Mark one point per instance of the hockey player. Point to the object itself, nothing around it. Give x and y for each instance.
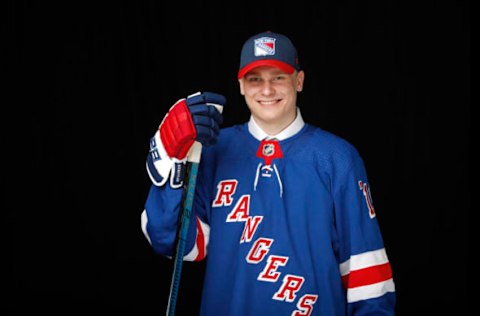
(282, 212)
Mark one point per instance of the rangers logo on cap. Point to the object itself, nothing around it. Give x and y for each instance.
(268, 49)
(264, 46)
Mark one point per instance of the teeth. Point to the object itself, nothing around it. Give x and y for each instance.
(267, 102)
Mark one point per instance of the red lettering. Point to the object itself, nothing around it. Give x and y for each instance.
(241, 210)
(250, 227)
(225, 190)
(291, 284)
(259, 250)
(270, 273)
(305, 305)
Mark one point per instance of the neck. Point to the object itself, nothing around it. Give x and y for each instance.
(279, 131)
(273, 128)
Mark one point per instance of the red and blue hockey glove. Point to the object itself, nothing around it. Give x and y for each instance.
(195, 118)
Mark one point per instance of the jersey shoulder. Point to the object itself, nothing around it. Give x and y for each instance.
(327, 143)
(327, 149)
(231, 140)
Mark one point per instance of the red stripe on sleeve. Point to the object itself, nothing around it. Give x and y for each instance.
(366, 276)
(200, 242)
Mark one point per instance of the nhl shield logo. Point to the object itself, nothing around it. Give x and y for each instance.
(268, 150)
(265, 46)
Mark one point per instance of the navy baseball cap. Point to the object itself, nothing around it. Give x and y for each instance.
(268, 49)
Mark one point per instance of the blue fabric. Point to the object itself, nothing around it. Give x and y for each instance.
(310, 211)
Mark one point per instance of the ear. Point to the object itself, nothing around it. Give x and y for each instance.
(299, 80)
(242, 90)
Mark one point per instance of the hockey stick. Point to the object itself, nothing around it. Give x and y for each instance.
(191, 176)
(193, 161)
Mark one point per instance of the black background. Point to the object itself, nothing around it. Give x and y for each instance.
(87, 84)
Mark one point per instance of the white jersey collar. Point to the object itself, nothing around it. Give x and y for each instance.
(291, 129)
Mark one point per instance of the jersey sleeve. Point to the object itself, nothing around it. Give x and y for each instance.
(201, 210)
(364, 266)
(161, 217)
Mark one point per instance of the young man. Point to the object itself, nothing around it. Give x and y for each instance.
(282, 210)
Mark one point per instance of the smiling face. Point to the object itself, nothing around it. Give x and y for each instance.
(271, 96)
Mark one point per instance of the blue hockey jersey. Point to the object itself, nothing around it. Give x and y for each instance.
(287, 226)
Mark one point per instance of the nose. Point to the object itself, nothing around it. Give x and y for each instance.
(267, 88)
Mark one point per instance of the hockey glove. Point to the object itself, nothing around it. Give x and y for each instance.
(195, 118)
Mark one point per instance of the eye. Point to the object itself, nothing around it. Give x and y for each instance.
(253, 79)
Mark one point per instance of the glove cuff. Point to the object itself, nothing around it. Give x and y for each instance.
(160, 166)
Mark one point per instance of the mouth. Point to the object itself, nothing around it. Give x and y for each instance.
(269, 102)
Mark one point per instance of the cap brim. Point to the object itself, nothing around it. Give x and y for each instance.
(266, 62)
